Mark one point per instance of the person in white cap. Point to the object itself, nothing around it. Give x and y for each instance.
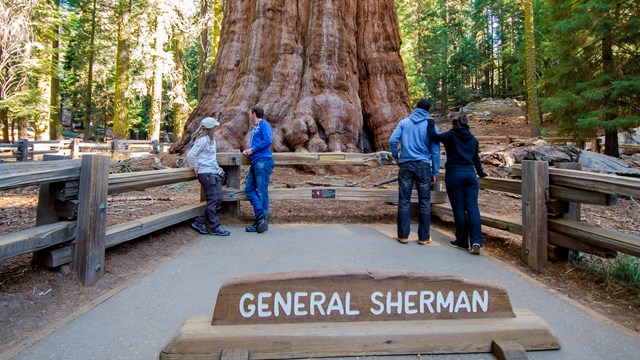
(202, 158)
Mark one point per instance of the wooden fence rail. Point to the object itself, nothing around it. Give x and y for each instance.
(63, 177)
(25, 150)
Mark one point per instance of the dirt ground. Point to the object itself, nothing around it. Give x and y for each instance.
(34, 300)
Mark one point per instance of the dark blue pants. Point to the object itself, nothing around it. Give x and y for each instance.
(462, 190)
(418, 172)
(212, 186)
(257, 186)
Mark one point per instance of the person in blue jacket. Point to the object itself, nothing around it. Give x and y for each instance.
(419, 162)
(461, 181)
(257, 186)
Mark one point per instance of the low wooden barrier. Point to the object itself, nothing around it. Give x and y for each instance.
(26, 150)
(555, 204)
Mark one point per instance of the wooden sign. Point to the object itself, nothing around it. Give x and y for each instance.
(359, 313)
(356, 296)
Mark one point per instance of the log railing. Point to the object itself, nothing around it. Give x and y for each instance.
(61, 182)
(25, 150)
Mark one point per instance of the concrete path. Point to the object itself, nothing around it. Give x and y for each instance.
(139, 321)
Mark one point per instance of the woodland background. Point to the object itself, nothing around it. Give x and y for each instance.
(135, 68)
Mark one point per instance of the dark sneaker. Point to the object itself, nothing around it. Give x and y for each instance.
(475, 249)
(262, 226)
(425, 242)
(402, 240)
(251, 228)
(459, 246)
(220, 231)
(265, 215)
(199, 228)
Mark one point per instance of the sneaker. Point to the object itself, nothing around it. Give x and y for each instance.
(251, 228)
(199, 228)
(265, 215)
(220, 231)
(425, 242)
(475, 249)
(457, 245)
(263, 225)
(402, 240)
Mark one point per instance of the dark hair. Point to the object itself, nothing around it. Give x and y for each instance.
(424, 104)
(460, 121)
(258, 111)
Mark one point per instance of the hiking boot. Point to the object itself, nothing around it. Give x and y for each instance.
(459, 246)
(219, 231)
(475, 249)
(262, 226)
(402, 240)
(251, 228)
(265, 215)
(425, 242)
(201, 228)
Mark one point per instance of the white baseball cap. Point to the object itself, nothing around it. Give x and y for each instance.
(209, 122)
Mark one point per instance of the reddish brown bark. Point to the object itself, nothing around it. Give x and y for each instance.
(328, 74)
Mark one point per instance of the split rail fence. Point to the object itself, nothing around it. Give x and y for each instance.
(73, 196)
(25, 150)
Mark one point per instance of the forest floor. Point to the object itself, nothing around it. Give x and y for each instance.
(34, 300)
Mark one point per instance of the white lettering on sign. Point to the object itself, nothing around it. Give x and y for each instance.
(317, 303)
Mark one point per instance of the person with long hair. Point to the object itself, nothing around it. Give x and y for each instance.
(202, 158)
(460, 179)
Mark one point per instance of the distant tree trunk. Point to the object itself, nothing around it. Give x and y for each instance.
(204, 46)
(120, 103)
(328, 74)
(530, 59)
(55, 111)
(41, 122)
(179, 102)
(87, 99)
(155, 119)
(4, 120)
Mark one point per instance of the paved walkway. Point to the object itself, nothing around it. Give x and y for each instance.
(139, 321)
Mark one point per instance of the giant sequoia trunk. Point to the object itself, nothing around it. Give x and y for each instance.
(328, 74)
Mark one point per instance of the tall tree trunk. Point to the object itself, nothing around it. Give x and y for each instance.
(55, 111)
(87, 99)
(179, 103)
(530, 59)
(155, 119)
(120, 103)
(611, 132)
(4, 120)
(41, 122)
(204, 46)
(328, 74)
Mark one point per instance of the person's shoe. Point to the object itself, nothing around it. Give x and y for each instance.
(220, 231)
(262, 226)
(265, 215)
(402, 240)
(475, 249)
(457, 245)
(201, 228)
(425, 242)
(251, 228)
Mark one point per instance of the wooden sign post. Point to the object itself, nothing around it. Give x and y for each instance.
(358, 313)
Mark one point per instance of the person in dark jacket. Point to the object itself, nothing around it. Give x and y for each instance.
(461, 181)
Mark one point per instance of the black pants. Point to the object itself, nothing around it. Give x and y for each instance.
(212, 185)
(462, 190)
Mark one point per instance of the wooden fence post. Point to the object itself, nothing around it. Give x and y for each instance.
(89, 251)
(535, 193)
(75, 148)
(46, 211)
(570, 210)
(23, 149)
(232, 174)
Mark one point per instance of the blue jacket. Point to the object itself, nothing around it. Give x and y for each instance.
(261, 139)
(416, 145)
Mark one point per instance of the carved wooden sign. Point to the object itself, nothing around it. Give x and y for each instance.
(358, 295)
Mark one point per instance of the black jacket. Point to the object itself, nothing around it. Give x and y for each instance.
(461, 146)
